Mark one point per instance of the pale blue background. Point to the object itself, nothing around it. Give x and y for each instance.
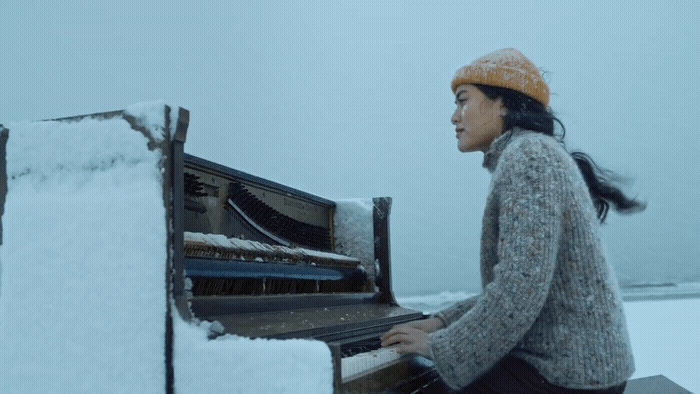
(352, 99)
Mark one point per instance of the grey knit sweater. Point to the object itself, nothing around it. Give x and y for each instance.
(549, 296)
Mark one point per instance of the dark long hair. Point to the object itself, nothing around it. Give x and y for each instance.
(529, 114)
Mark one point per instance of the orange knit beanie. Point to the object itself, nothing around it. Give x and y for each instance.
(506, 68)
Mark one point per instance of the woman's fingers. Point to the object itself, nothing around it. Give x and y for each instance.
(394, 330)
(428, 325)
(392, 337)
(407, 340)
(401, 335)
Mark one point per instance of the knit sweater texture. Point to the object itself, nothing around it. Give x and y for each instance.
(548, 295)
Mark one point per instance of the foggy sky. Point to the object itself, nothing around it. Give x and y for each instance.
(350, 99)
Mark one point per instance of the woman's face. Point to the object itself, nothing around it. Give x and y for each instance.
(478, 119)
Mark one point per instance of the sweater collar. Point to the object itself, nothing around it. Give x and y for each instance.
(498, 146)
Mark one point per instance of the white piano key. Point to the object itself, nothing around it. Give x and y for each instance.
(364, 363)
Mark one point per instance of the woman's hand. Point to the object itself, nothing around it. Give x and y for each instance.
(407, 340)
(428, 325)
(412, 337)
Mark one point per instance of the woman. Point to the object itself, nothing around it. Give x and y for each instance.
(550, 316)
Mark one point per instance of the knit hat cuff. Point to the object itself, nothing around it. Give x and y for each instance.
(506, 68)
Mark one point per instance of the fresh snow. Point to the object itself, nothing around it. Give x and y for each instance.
(664, 333)
(666, 339)
(353, 223)
(82, 275)
(82, 299)
(232, 364)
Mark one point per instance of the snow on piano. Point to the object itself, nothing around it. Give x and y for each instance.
(264, 260)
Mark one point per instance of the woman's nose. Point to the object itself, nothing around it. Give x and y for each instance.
(454, 118)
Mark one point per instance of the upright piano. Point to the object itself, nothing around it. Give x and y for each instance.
(264, 260)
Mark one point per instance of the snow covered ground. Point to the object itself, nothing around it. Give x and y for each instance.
(666, 339)
(665, 334)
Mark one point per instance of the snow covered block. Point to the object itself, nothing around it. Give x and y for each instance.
(354, 231)
(83, 255)
(233, 364)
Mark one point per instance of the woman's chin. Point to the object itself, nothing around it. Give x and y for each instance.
(464, 148)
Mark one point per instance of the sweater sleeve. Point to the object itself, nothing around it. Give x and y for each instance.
(453, 313)
(530, 194)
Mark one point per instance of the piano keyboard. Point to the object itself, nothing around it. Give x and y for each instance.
(362, 364)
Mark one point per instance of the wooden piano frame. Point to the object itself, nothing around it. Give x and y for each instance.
(380, 302)
(377, 305)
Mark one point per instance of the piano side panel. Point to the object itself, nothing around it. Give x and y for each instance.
(382, 248)
(82, 274)
(4, 133)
